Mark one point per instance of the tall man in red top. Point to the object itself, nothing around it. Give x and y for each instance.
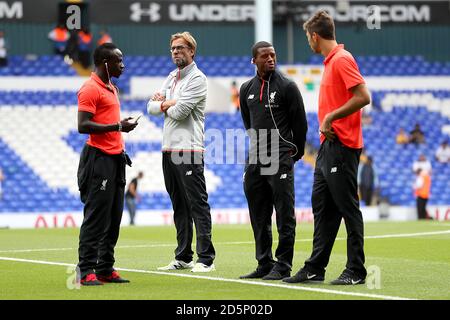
(101, 172)
(343, 94)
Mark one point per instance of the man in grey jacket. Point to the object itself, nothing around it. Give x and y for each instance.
(182, 100)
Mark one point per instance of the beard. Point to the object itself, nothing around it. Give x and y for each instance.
(180, 62)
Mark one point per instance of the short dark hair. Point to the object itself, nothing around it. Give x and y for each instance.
(258, 45)
(322, 24)
(103, 52)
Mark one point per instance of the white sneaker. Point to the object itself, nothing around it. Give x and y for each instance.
(177, 265)
(200, 267)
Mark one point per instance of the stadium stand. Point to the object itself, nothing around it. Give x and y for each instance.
(45, 65)
(37, 180)
(48, 65)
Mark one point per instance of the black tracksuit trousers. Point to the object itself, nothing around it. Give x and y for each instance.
(335, 196)
(421, 204)
(101, 179)
(263, 193)
(185, 183)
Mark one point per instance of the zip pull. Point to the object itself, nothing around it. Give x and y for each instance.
(262, 90)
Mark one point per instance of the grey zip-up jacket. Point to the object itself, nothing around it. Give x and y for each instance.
(184, 123)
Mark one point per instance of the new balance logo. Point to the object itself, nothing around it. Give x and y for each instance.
(333, 170)
(103, 187)
(251, 96)
(283, 176)
(188, 173)
(152, 12)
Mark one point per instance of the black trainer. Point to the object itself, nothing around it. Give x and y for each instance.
(305, 276)
(348, 278)
(260, 272)
(277, 275)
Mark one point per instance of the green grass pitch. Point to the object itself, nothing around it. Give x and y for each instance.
(411, 260)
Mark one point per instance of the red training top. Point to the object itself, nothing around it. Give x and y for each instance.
(96, 98)
(341, 73)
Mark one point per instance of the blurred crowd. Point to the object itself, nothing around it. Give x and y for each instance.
(76, 45)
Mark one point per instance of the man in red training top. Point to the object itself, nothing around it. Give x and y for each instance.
(343, 94)
(101, 172)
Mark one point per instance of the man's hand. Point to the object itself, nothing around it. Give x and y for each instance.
(128, 126)
(326, 128)
(167, 104)
(361, 97)
(158, 97)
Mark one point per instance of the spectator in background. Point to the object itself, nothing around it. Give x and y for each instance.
(235, 96)
(104, 38)
(422, 187)
(3, 50)
(132, 196)
(59, 36)
(443, 153)
(417, 136)
(363, 156)
(71, 53)
(367, 180)
(84, 47)
(422, 163)
(2, 177)
(402, 137)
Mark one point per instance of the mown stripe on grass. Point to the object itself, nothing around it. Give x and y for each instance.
(161, 245)
(246, 282)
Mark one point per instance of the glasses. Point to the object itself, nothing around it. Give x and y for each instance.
(178, 48)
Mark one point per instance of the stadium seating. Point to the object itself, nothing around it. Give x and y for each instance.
(241, 66)
(28, 189)
(217, 66)
(395, 65)
(46, 65)
(220, 66)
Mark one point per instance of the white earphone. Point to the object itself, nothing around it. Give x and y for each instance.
(107, 72)
(275, 123)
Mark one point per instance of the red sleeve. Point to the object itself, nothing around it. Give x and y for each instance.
(349, 72)
(87, 99)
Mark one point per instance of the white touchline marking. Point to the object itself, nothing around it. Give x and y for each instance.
(38, 262)
(405, 235)
(386, 236)
(35, 250)
(256, 283)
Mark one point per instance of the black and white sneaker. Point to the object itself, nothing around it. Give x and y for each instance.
(348, 278)
(177, 265)
(304, 276)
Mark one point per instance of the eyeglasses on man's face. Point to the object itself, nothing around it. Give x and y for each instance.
(178, 48)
